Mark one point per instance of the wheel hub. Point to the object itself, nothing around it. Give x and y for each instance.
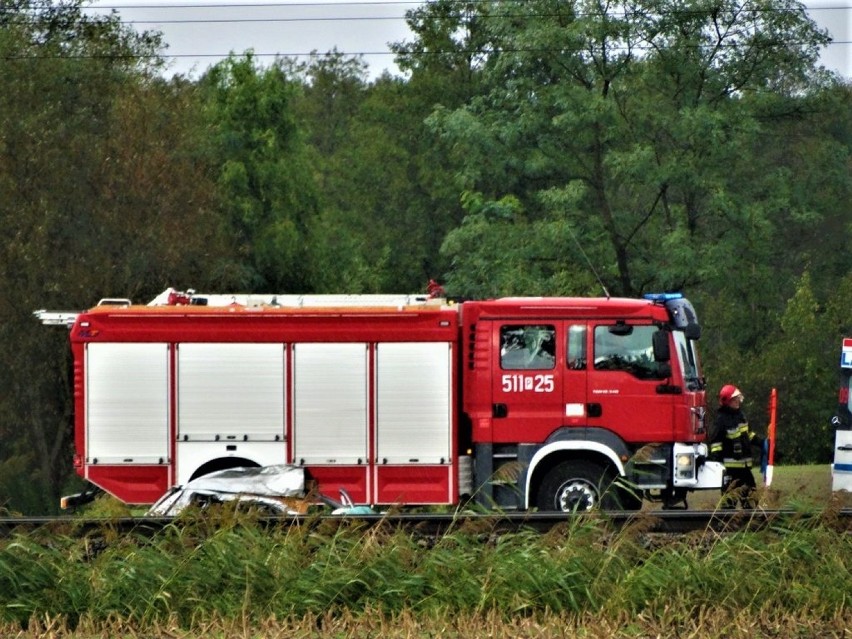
(576, 496)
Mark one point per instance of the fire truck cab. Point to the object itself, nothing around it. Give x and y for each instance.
(567, 395)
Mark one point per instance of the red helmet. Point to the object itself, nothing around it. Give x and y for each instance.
(729, 392)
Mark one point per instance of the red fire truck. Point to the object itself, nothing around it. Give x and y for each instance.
(548, 403)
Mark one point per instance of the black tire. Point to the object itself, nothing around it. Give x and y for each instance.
(578, 486)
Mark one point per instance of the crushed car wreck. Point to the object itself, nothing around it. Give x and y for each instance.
(275, 490)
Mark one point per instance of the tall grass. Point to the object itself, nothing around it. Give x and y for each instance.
(234, 571)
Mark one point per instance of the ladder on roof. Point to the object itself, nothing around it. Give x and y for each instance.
(67, 318)
(171, 297)
(56, 318)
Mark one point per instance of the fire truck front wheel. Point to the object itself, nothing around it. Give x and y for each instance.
(577, 486)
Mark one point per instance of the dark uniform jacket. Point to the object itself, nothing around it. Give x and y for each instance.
(732, 440)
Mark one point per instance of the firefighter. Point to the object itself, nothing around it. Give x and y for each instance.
(734, 444)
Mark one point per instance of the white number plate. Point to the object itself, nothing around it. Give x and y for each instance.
(528, 383)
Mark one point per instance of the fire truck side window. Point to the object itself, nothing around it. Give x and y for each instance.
(627, 348)
(527, 347)
(576, 347)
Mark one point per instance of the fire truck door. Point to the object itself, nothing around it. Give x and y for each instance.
(577, 410)
(527, 380)
(627, 388)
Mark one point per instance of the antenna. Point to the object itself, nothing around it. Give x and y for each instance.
(589, 262)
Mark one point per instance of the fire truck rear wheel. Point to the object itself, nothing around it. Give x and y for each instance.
(577, 486)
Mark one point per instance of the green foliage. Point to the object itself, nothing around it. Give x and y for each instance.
(346, 236)
(195, 572)
(805, 345)
(630, 107)
(264, 178)
(385, 198)
(101, 194)
(504, 254)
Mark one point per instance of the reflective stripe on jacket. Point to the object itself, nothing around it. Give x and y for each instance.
(740, 430)
(737, 463)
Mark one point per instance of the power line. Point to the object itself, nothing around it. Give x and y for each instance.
(383, 53)
(311, 5)
(239, 5)
(352, 18)
(100, 8)
(243, 5)
(264, 20)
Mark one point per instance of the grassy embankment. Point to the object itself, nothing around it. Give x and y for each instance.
(792, 487)
(230, 578)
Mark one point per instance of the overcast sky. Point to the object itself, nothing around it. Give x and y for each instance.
(202, 32)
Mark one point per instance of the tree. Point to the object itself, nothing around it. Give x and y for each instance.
(800, 359)
(628, 125)
(102, 194)
(263, 177)
(334, 88)
(386, 194)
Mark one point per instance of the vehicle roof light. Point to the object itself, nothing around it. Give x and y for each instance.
(662, 297)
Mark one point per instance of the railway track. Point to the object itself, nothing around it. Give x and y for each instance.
(434, 525)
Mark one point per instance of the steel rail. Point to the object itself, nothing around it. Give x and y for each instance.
(434, 525)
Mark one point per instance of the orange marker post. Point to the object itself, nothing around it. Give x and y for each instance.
(770, 436)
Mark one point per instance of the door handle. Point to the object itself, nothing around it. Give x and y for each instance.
(499, 411)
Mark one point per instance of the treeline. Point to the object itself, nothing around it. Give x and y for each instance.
(533, 147)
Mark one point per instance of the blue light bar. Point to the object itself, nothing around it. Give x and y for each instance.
(662, 297)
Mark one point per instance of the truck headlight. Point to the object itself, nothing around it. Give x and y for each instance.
(685, 465)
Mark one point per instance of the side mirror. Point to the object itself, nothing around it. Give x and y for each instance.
(692, 331)
(661, 346)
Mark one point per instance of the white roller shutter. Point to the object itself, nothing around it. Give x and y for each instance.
(413, 413)
(330, 403)
(230, 392)
(127, 403)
